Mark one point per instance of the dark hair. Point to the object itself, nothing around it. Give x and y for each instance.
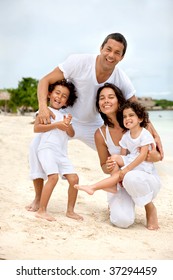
(117, 37)
(118, 94)
(139, 110)
(72, 96)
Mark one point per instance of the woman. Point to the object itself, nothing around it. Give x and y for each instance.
(138, 187)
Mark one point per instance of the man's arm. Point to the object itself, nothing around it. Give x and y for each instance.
(42, 92)
(157, 139)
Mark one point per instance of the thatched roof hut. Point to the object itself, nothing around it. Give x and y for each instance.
(5, 96)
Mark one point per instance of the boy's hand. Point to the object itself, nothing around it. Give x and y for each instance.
(67, 119)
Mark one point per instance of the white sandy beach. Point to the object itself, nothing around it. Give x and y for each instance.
(24, 237)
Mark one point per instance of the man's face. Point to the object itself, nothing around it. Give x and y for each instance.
(111, 54)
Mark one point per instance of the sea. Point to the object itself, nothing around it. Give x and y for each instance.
(163, 123)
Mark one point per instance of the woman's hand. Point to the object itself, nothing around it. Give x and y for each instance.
(110, 164)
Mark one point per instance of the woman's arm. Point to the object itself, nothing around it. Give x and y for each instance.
(102, 151)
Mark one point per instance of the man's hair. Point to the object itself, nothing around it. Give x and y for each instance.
(72, 96)
(117, 37)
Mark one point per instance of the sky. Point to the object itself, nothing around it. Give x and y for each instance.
(36, 35)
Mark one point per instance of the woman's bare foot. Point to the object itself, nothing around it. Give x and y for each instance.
(73, 215)
(44, 215)
(151, 215)
(84, 188)
(34, 206)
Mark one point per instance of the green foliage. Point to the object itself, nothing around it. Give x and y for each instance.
(25, 95)
(164, 103)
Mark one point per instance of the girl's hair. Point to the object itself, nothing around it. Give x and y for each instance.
(118, 94)
(72, 96)
(139, 110)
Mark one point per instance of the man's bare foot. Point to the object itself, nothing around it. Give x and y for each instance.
(151, 215)
(34, 206)
(74, 216)
(84, 188)
(45, 215)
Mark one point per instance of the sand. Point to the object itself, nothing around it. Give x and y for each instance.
(24, 237)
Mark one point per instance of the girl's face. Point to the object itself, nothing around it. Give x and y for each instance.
(108, 102)
(130, 119)
(59, 96)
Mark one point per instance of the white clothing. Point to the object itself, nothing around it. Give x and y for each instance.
(139, 188)
(132, 145)
(36, 170)
(52, 152)
(80, 70)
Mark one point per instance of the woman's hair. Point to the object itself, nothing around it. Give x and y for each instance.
(72, 96)
(139, 110)
(118, 94)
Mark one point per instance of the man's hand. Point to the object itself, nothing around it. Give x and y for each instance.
(44, 115)
(159, 146)
(153, 155)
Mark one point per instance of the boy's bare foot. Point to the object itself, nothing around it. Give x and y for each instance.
(84, 188)
(74, 216)
(151, 215)
(45, 215)
(34, 206)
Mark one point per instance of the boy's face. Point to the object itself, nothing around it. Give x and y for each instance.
(59, 96)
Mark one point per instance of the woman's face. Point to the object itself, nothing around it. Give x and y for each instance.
(108, 102)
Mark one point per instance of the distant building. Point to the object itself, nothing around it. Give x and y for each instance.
(148, 103)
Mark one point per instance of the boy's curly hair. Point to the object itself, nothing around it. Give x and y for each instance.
(139, 110)
(72, 96)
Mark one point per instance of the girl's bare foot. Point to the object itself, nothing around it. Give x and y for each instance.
(34, 206)
(84, 188)
(74, 216)
(151, 215)
(44, 215)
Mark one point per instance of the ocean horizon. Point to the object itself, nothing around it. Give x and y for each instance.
(163, 123)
